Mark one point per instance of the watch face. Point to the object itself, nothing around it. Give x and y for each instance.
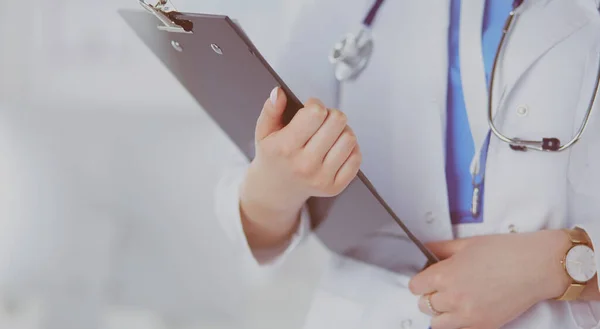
(580, 263)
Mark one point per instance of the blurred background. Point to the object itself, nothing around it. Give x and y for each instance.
(107, 171)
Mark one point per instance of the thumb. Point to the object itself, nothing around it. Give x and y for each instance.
(271, 116)
(445, 249)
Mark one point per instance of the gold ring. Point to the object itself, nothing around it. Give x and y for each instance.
(431, 308)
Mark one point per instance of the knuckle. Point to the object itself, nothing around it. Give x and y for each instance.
(283, 150)
(303, 112)
(413, 287)
(315, 111)
(306, 167)
(319, 112)
(314, 100)
(321, 185)
(439, 280)
(358, 158)
(338, 186)
(349, 136)
(352, 140)
(339, 116)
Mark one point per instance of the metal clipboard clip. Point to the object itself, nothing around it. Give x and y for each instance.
(167, 14)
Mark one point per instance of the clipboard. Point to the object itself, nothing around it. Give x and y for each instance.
(212, 57)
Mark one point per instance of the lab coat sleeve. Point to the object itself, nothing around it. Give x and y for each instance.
(258, 265)
(584, 200)
(584, 212)
(584, 194)
(303, 65)
(584, 166)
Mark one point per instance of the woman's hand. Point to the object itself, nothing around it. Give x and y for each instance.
(487, 281)
(316, 154)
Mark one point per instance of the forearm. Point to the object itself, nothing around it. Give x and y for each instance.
(266, 228)
(268, 223)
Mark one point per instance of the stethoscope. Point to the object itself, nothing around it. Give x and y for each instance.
(351, 55)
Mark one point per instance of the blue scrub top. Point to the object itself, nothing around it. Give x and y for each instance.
(459, 141)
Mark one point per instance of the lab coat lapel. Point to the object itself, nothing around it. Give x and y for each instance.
(472, 67)
(539, 27)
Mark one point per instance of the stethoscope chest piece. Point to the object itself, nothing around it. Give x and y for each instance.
(351, 55)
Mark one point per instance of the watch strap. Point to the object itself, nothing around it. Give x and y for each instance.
(578, 236)
(572, 293)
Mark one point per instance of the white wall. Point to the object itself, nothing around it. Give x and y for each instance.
(105, 207)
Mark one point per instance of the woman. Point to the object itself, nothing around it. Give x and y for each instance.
(419, 114)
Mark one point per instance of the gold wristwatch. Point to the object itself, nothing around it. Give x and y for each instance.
(579, 263)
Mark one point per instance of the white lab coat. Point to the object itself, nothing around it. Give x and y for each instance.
(398, 110)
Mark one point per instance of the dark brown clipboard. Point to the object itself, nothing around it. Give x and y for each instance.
(213, 59)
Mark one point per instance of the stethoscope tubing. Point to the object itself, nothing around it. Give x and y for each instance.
(522, 145)
(356, 64)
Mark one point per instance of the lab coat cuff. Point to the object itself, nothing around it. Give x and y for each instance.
(258, 265)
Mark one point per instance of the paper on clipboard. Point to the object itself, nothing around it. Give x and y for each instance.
(213, 59)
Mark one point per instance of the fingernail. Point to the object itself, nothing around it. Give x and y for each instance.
(274, 94)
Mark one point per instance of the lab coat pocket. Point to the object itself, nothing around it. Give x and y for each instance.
(353, 294)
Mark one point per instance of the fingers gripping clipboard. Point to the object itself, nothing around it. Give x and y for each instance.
(217, 63)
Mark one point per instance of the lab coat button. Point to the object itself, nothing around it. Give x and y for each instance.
(512, 228)
(429, 218)
(406, 324)
(522, 110)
